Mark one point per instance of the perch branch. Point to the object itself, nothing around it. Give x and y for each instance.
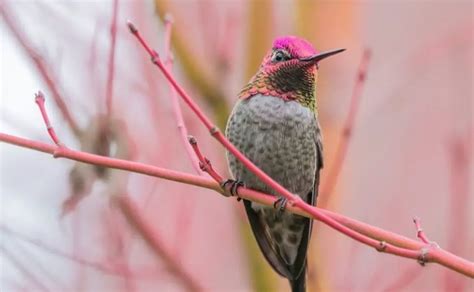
(133, 216)
(422, 255)
(437, 255)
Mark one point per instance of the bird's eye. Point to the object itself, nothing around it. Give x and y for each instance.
(279, 56)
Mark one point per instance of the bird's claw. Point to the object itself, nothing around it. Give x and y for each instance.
(234, 186)
(280, 205)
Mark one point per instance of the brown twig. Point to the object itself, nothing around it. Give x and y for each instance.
(331, 179)
(42, 68)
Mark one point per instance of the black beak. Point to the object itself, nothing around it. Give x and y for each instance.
(318, 57)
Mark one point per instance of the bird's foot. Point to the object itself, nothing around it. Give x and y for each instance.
(234, 187)
(280, 205)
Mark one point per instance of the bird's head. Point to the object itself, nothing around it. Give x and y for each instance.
(288, 71)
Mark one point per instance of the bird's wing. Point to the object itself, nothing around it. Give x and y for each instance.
(264, 238)
(265, 242)
(298, 266)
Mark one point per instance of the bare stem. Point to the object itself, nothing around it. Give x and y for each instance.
(131, 213)
(111, 69)
(419, 231)
(183, 131)
(204, 163)
(42, 68)
(39, 99)
(438, 255)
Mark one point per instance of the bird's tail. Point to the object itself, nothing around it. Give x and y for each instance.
(299, 284)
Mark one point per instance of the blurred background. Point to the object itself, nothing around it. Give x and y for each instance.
(409, 153)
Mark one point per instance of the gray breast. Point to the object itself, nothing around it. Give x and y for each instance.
(279, 137)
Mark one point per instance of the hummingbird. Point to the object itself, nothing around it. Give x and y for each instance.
(275, 124)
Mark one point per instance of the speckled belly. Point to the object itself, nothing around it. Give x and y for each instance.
(279, 137)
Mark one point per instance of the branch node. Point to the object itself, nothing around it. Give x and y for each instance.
(155, 58)
(39, 97)
(192, 140)
(382, 246)
(422, 260)
(59, 151)
(214, 130)
(133, 29)
(204, 163)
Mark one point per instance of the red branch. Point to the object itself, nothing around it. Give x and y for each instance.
(204, 163)
(183, 131)
(42, 68)
(132, 214)
(340, 156)
(293, 199)
(422, 255)
(430, 254)
(111, 69)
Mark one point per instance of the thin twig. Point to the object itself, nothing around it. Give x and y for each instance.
(39, 99)
(111, 68)
(293, 199)
(438, 255)
(204, 163)
(133, 216)
(183, 131)
(43, 70)
(331, 179)
(198, 71)
(419, 231)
